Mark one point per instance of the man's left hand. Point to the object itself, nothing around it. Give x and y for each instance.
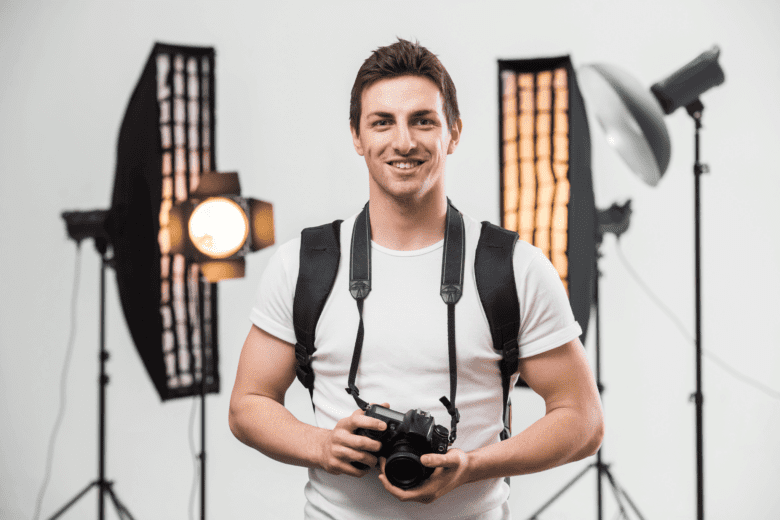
(451, 471)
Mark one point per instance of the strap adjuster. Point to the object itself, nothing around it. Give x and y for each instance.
(303, 368)
(302, 355)
(511, 349)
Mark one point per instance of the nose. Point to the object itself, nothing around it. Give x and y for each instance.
(403, 139)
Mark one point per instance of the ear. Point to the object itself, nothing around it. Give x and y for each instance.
(356, 140)
(455, 132)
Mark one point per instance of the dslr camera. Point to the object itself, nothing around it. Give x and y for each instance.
(407, 437)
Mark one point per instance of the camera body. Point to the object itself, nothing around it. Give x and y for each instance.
(407, 437)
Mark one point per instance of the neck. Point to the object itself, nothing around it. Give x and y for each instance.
(407, 226)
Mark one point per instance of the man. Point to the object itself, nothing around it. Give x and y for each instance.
(404, 121)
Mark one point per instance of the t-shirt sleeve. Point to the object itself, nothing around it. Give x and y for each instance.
(272, 310)
(546, 318)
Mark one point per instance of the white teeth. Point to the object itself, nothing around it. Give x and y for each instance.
(405, 165)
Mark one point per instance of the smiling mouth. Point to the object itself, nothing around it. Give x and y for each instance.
(405, 165)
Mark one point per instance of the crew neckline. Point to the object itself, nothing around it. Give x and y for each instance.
(415, 252)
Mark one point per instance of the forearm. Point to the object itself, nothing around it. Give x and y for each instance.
(563, 435)
(267, 426)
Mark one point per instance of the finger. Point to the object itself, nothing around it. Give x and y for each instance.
(365, 465)
(347, 460)
(395, 491)
(365, 444)
(364, 457)
(359, 418)
(348, 469)
(367, 423)
(432, 460)
(453, 459)
(424, 493)
(372, 461)
(347, 454)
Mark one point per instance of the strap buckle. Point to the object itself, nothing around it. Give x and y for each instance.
(302, 355)
(354, 392)
(303, 369)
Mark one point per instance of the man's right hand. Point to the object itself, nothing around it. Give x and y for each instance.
(342, 446)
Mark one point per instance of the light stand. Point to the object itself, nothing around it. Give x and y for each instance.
(695, 110)
(202, 455)
(614, 220)
(633, 122)
(103, 486)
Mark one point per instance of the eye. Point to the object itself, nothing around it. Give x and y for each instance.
(380, 122)
(425, 122)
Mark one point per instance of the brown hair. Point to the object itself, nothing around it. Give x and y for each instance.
(403, 58)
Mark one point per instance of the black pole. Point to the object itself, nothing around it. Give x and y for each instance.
(102, 382)
(695, 109)
(84, 227)
(203, 438)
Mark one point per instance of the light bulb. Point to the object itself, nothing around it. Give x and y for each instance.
(218, 227)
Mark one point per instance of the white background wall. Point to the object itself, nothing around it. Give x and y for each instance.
(284, 71)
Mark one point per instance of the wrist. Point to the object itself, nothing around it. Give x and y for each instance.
(317, 456)
(471, 468)
(478, 466)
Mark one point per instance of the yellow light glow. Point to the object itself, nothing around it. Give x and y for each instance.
(218, 227)
(536, 161)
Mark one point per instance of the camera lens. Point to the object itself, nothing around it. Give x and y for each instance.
(403, 468)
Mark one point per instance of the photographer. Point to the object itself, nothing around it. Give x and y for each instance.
(404, 121)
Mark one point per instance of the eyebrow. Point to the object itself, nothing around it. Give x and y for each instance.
(418, 113)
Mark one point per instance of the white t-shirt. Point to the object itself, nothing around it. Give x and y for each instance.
(405, 362)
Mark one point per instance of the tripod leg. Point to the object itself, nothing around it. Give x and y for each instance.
(617, 493)
(74, 500)
(631, 503)
(620, 492)
(561, 492)
(120, 507)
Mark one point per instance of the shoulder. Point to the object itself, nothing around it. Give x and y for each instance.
(287, 255)
(524, 254)
(528, 257)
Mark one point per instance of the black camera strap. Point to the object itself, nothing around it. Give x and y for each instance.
(453, 259)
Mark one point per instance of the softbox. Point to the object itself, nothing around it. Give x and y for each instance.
(546, 181)
(166, 142)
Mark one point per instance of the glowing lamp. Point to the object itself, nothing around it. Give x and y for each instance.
(546, 187)
(216, 227)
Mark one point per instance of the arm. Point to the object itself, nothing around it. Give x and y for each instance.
(571, 429)
(258, 418)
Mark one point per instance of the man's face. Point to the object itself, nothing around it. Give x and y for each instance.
(404, 137)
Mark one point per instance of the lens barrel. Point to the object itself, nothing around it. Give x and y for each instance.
(404, 468)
